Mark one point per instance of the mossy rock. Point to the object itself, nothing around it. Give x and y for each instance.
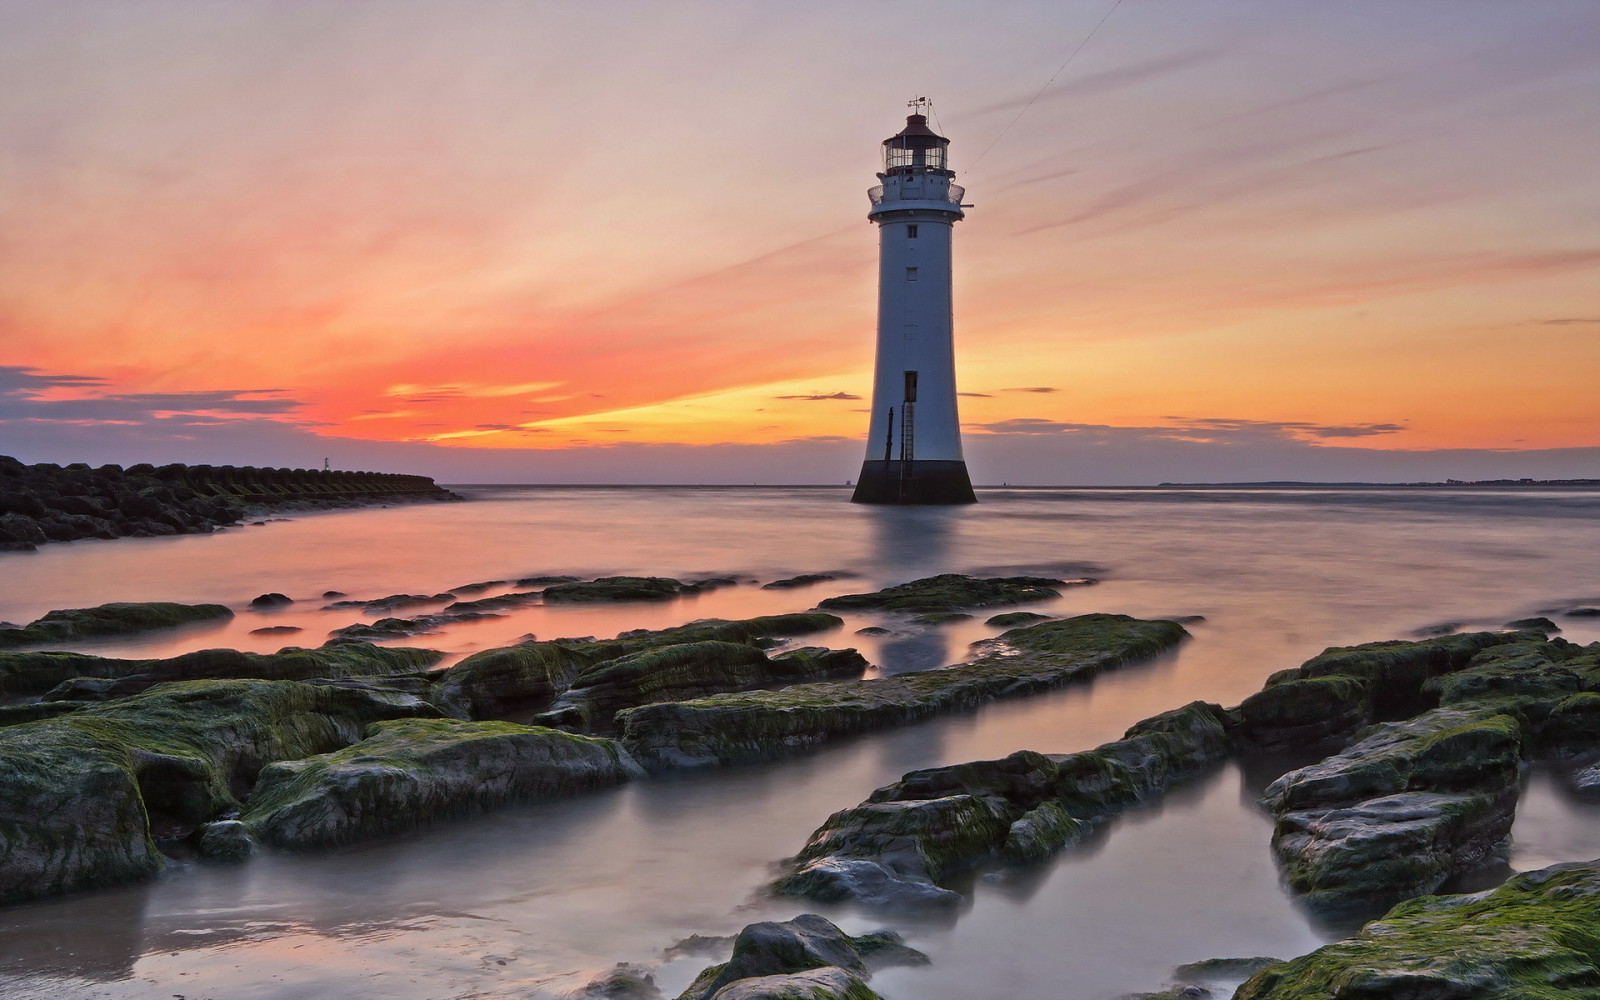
(1537, 936)
(74, 624)
(1395, 671)
(409, 772)
(23, 674)
(1013, 619)
(897, 846)
(614, 588)
(761, 630)
(1304, 711)
(949, 592)
(84, 797)
(759, 725)
(1399, 811)
(495, 682)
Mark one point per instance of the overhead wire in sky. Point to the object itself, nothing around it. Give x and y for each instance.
(1047, 83)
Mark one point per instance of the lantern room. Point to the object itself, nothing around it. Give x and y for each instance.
(917, 149)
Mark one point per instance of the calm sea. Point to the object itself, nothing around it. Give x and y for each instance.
(530, 902)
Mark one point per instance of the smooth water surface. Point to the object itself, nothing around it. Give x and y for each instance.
(531, 901)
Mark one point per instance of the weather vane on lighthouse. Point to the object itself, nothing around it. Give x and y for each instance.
(914, 444)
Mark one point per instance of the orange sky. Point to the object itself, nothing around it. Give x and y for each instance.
(486, 225)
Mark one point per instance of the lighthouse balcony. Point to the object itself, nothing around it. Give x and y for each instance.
(935, 190)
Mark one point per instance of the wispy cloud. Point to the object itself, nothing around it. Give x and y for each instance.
(1208, 430)
(28, 395)
(821, 396)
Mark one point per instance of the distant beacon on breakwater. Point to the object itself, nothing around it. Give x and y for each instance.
(914, 445)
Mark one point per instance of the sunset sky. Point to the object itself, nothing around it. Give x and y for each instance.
(621, 241)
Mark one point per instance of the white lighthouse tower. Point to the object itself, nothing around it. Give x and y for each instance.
(914, 447)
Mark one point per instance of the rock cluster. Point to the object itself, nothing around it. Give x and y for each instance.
(1408, 803)
(895, 848)
(759, 725)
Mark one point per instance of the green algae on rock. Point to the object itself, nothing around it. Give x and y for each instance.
(1411, 803)
(907, 837)
(40, 673)
(529, 677)
(760, 725)
(1533, 937)
(1012, 619)
(950, 592)
(408, 772)
(85, 796)
(689, 670)
(120, 618)
(615, 588)
(1333, 694)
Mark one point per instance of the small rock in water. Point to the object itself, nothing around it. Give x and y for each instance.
(1011, 619)
(803, 580)
(273, 600)
(277, 630)
(624, 982)
(476, 588)
(1443, 628)
(941, 618)
(544, 581)
(874, 630)
(1584, 613)
(699, 944)
(329, 595)
(1541, 623)
(226, 840)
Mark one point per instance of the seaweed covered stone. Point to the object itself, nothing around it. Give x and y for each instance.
(895, 848)
(45, 672)
(1534, 936)
(1398, 812)
(758, 725)
(531, 676)
(949, 592)
(614, 588)
(118, 618)
(409, 772)
(86, 796)
(689, 670)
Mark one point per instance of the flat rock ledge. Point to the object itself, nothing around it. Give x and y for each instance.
(1533, 937)
(951, 592)
(72, 624)
(409, 772)
(895, 848)
(760, 725)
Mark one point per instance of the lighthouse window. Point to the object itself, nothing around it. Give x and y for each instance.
(911, 274)
(911, 232)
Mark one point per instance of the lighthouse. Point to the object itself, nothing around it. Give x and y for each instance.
(914, 443)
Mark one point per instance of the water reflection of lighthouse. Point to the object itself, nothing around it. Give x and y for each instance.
(914, 445)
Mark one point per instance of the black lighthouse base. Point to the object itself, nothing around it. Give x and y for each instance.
(914, 482)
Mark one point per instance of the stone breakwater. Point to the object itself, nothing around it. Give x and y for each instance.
(52, 503)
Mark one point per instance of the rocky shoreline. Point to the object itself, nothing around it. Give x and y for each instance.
(119, 768)
(51, 503)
